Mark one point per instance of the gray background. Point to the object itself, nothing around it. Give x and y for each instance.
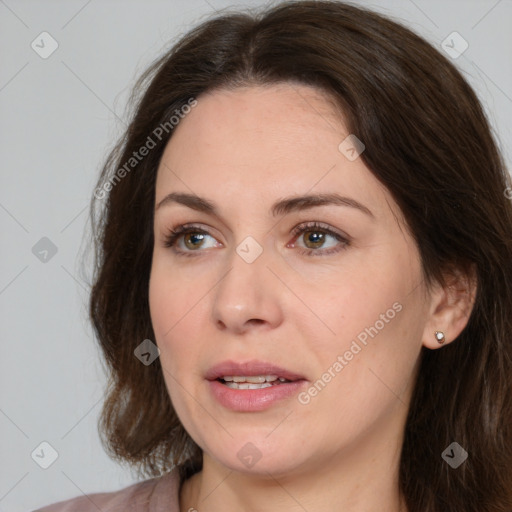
(59, 116)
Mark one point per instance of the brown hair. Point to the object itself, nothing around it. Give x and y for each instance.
(427, 140)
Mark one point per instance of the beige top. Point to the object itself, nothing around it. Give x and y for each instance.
(156, 495)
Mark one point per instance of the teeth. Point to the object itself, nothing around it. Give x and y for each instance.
(256, 379)
(253, 381)
(247, 385)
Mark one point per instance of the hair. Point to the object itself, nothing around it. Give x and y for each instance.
(427, 140)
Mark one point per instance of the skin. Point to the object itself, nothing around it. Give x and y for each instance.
(243, 150)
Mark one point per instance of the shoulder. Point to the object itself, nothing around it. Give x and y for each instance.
(155, 495)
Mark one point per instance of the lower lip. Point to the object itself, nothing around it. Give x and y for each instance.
(252, 400)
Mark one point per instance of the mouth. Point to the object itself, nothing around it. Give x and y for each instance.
(252, 382)
(252, 386)
(254, 373)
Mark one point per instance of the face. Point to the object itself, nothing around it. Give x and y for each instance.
(325, 295)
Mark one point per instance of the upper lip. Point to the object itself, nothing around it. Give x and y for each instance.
(249, 369)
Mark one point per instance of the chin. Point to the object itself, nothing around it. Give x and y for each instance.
(259, 455)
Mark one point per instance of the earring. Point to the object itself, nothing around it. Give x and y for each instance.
(440, 337)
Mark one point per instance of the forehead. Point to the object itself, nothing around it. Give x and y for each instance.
(259, 115)
(256, 143)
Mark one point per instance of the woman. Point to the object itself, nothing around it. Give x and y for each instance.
(303, 267)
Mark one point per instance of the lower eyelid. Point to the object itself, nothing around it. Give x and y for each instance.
(341, 245)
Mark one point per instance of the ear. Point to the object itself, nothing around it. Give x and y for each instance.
(451, 304)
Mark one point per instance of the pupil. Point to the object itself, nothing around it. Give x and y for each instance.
(316, 238)
(196, 236)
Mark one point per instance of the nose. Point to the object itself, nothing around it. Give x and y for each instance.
(247, 297)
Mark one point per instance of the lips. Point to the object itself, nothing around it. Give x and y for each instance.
(252, 368)
(253, 386)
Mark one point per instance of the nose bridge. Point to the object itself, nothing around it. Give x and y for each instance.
(246, 292)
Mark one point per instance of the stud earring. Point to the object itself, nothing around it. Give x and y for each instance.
(440, 337)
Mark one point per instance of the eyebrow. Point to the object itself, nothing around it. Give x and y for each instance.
(281, 207)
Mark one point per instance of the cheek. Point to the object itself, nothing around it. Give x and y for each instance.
(176, 310)
(359, 298)
(375, 312)
(166, 307)
(161, 304)
(170, 296)
(168, 311)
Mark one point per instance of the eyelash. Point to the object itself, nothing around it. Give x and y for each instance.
(173, 234)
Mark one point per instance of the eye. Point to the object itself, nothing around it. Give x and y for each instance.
(319, 240)
(186, 239)
(316, 239)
